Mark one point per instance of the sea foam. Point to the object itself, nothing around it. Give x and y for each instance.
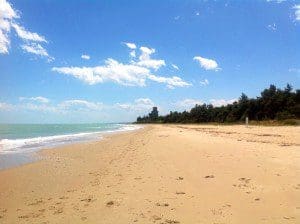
(24, 145)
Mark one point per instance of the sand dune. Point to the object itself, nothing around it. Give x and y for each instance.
(162, 174)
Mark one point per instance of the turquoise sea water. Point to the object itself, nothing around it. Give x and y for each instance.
(18, 141)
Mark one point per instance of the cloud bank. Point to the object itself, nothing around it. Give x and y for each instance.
(43, 104)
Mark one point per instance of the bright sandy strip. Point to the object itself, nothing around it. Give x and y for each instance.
(162, 174)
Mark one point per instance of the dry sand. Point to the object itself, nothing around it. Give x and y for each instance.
(162, 174)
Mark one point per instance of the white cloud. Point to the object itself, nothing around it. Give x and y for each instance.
(207, 64)
(146, 61)
(272, 27)
(5, 106)
(144, 101)
(43, 104)
(132, 46)
(172, 82)
(85, 56)
(6, 11)
(221, 102)
(39, 99)
(72, 106)
(134, 73)
(177, 17)
(8, 17)
(175, 66)
(187, 104)
(31, 106)
(141, 104)
(80, 108)
(27, 35)
(124, 74)
(297, 12)
(197, 13)
(4, 42)
(205, 82)
(146, 52)
(151, 63)
(132, 54)
(80, 105)
(7, 14)
(297, 70)
(37, 49)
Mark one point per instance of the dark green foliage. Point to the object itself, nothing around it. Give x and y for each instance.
(154, 114)
(273, 103)
(151, 118)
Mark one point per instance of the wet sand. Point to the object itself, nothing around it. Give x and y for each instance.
(162, 174)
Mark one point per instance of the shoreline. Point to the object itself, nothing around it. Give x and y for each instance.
(15, 159)
(161, 174)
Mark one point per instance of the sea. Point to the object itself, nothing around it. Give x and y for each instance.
(20, 142)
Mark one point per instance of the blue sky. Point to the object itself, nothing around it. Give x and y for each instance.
(110, 61)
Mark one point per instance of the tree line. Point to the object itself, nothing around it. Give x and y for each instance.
(272, 104)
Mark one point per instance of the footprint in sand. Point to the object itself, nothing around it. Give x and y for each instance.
(179, 178)
(63, 197)
(180, 192)
(58, 211)
(171, 221)
(289, 217)
(36, 202)
(245, 184)
(243, 179)
(162, 204)
(23, 216)
(209, 176)
(88, 199)
(110, 203)
(156, 218)
(2, 211)
(95, 182)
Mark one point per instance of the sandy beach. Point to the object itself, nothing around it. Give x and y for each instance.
(162, 174)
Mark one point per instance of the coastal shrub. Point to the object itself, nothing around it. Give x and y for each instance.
(291, 122)
(272, 104)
